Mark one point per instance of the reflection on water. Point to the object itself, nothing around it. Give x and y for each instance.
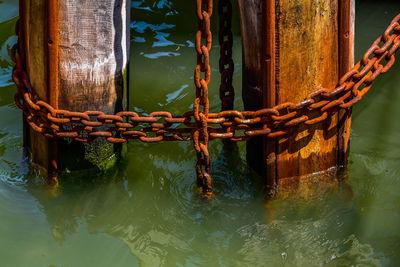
(146, 211)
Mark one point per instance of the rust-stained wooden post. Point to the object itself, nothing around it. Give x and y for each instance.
(76, 55)
(290, 49)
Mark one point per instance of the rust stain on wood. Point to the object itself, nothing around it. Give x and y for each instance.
(34, 23)
(52, 51)
(52, 82)
(308, 59)
(346, 51)
(270, 48)
(302, 49)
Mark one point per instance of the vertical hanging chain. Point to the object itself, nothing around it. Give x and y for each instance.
(201, 103)
(226, 66)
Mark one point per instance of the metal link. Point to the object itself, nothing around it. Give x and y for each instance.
(199, 125)
(201, 103)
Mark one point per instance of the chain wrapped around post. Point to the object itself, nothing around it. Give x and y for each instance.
(199, 125)
(226, 65)
(201, 103)
(163, 126)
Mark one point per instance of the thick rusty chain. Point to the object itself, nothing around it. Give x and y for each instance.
(201, 103)
(200, 125)
(226, 66)
(162, 126)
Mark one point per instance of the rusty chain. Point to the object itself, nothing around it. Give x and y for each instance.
(199, 125)
(226, 66)
(201, 104)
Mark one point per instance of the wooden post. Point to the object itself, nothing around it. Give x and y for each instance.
(76, 55)
(290, 49)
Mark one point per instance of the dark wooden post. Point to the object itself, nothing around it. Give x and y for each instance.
(292, 48)
(77, 54)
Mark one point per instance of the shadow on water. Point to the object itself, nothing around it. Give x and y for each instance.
(153, 209)
(146, 210)
(151, 205)
(155, 212)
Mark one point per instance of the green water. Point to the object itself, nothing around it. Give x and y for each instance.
(145, 211)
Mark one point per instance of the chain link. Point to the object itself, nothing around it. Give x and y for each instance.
(163, 126)
(201, 103)
(199, 125)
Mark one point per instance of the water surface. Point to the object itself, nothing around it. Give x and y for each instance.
(146, 211)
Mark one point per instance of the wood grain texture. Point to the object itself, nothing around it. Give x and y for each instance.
(94, 42)
(252, 13)
(270, 94)
(308, 59)
(300, 53)
(346, 50)
(252, 54)
(77, 57)
(34, 23)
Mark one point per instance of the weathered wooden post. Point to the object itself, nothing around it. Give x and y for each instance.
(290, 49)
(76, 55)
